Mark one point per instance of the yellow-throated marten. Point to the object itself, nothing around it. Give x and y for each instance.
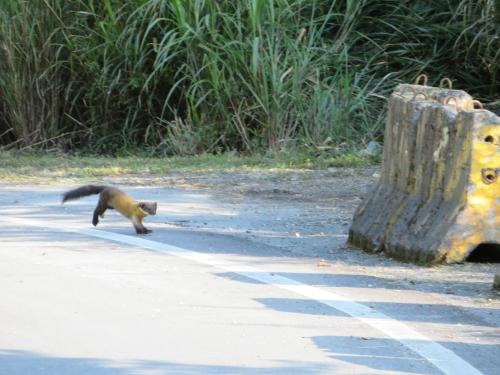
(110, 197)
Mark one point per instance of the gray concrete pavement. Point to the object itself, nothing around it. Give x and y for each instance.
(73, 303)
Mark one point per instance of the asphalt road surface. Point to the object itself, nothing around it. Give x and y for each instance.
(208, 299)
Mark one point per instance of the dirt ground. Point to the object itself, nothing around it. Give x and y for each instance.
(318, 206)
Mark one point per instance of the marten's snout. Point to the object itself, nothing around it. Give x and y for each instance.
(149, 207)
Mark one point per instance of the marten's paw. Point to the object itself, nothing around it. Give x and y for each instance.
(143, 231)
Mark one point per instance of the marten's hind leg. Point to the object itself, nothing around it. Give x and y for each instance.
(99, 211)
(139, 228)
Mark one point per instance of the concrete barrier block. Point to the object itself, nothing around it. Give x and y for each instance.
(439, 192)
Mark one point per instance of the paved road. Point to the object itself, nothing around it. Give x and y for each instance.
(79, 300)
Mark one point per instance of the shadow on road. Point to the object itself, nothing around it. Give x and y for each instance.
(374, 354)
(428, 313)
(13, 362)
(387, 355)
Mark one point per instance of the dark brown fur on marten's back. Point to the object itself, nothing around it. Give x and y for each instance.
(113, 198)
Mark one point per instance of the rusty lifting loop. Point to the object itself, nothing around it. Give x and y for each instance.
(448, 99)
(478, 103)
(445, 80)
(415, 96)
(420, 77)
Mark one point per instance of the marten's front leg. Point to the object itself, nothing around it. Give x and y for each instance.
(99, 210)
(139, 228)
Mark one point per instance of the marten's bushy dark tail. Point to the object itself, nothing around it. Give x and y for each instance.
(82, 191)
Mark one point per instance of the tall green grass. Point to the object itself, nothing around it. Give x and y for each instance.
(184, 77)
(32, 86)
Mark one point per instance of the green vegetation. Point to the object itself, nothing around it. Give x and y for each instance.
(205, 76)
(49, 166)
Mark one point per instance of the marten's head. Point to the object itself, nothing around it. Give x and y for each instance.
(148, 207)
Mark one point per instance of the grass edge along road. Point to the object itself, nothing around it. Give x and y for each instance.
(45, 167)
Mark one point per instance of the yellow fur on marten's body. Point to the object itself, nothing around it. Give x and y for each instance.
(113, 198)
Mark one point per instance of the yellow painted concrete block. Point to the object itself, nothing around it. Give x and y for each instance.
(438, 197)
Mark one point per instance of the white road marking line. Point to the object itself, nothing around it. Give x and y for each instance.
(442, 358)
